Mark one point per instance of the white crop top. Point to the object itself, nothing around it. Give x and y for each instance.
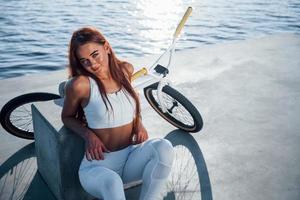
(98, 116)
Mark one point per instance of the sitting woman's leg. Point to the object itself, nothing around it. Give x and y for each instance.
(151, 161)
(102, 183)
(102, 178)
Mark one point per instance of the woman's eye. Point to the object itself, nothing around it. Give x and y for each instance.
(95, 55)
(85, 63)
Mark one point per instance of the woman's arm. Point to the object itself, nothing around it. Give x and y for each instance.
(73, 97)
(142, 134)
(75, 92)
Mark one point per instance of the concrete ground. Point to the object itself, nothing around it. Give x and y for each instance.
(251, 137)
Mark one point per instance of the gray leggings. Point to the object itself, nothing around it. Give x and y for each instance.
(150, 161)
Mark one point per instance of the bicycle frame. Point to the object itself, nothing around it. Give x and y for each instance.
(149, 74)
(154, 76)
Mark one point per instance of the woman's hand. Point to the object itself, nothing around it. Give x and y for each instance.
(94, 147)
(141, 135)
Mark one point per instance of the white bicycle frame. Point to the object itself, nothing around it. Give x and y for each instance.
(151, 76)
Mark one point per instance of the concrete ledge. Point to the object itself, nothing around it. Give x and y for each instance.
(58, 151)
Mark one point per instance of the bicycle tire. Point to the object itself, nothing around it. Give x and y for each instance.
(7, 119)
(196, 123)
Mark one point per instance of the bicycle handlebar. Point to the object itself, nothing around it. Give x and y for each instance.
(144, 71)
(182, 22)
(139, 73)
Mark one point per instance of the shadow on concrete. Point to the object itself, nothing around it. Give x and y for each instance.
(19, 178)
(189, 169)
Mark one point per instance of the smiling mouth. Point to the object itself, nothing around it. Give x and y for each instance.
(97, 69)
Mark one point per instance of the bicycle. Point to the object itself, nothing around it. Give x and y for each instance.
(170, 104)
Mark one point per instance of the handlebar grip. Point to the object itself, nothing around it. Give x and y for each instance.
(139, 73)
(182, 22)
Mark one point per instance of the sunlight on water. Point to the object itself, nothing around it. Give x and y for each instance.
(158, 18)
(34, 35)
(157, 22)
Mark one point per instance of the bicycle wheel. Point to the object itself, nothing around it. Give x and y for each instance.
(16, 116)
(180, 111)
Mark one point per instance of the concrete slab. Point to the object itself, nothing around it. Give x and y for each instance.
(250, 103)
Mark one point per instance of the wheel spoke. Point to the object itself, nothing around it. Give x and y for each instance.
(22, 118)
(175, 109)
(17, 117)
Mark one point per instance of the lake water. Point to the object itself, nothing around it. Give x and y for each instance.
(34, 34)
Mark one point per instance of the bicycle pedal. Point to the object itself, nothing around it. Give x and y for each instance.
(161, 70)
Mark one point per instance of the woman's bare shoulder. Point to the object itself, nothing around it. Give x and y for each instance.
(127, 68)
(78, 85)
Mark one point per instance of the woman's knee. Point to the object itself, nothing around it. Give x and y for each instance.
(102, 183)
(165, 153)
(112, 184)
(164, 150)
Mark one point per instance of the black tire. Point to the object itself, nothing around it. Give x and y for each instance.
(7, 117)
(181, 103)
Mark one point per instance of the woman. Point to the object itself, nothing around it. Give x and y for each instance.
(102, 107)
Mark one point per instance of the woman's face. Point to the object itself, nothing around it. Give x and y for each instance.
(94, 58)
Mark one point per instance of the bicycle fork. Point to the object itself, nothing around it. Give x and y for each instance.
(162, 83)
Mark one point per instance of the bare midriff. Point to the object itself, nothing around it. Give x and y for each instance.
(115, 138)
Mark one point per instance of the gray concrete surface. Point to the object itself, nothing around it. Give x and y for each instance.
(58, 152)
(251, 137)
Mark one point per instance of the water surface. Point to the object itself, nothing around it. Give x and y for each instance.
(34, 35)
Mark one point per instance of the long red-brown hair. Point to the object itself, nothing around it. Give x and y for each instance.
(116, 68)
